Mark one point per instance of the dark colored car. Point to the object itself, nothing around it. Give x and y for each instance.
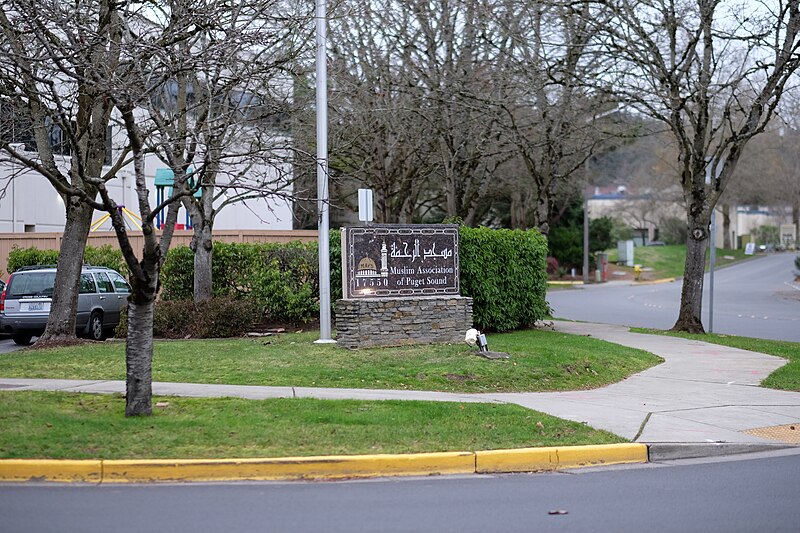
(25, 302)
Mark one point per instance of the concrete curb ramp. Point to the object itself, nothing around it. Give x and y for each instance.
(327, 467)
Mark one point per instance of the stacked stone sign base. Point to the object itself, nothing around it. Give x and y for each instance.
(389, 322)
(401, 286)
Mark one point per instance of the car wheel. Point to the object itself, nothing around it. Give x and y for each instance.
(96, 327)
(22, 340)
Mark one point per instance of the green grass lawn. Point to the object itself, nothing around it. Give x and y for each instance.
(83, 426)
(785, 378)
(668, 261)
(540, 361)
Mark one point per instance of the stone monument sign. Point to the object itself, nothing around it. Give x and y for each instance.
(401, 286)
(391, 261)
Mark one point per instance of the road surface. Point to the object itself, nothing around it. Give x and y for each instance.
(724, 496)
(757, 298)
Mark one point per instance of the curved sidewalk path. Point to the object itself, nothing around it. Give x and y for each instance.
(701, 393)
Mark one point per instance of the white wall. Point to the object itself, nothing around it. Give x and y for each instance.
(31, 200)
(28, 200)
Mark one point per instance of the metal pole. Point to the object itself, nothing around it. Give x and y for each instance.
(713, 259)
(322, 177)
(585, 239)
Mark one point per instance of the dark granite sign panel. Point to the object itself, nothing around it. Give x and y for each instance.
(385, 261)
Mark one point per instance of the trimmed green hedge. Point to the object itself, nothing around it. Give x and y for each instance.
(107, 256)
(504, 271)
(282, 278)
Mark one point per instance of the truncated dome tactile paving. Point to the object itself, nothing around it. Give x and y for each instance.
(789, 433)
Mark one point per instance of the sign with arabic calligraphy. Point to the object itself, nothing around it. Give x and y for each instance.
(385, 261)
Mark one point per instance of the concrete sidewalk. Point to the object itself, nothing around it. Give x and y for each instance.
(702, 393)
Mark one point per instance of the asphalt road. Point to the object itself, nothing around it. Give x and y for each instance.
(7, 345)
(756, 298)
(728, 496)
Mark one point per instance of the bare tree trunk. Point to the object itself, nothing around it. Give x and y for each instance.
(689, 318)
(61, 324)
(203, 245)
(542, 213)
(796, 221)
(518, 209)
(139, 358)
(726, 226)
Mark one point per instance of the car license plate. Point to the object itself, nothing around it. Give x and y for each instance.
(36, 306)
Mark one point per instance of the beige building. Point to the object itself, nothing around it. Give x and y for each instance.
(645, 214)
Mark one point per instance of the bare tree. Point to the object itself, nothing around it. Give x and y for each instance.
(70, 71)
(237, 106)
(459, 54)
(714, 75)
(410, 119)
(155, 44)
(187, 91)
(650, 197)
(771, 176)
(53, 69)
(787, 176)
(552, 119)
(379, 136)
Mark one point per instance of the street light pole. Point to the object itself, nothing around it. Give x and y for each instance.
(713, 251)
(322, 177)
(713, 260)
(616, 109)
(585, 238)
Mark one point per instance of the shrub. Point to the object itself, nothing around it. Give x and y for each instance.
(106, 256)
(287, 284)
(767, 234)
(177, 274)
(336, 264)
(552, 266)
(504, 271)
(600, 234)
(21, 257)
(282, 279)
(565, 243)
(620, 231)
(214, 318)
(673, 230)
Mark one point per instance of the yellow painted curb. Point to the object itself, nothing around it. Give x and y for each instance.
(554, 458)
(328, 467)
(50, 470)
(655, 281)
(325, 467)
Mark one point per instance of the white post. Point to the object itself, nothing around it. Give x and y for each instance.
(322, 177)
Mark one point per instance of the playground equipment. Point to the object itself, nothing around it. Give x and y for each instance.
(166, 178)
(127, 215)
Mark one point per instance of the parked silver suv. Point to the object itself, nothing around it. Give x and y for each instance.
(25, 302)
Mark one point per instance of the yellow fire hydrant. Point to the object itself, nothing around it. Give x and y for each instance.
(637, 272)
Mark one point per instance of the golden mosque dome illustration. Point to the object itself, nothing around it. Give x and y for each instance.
(367, 264)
